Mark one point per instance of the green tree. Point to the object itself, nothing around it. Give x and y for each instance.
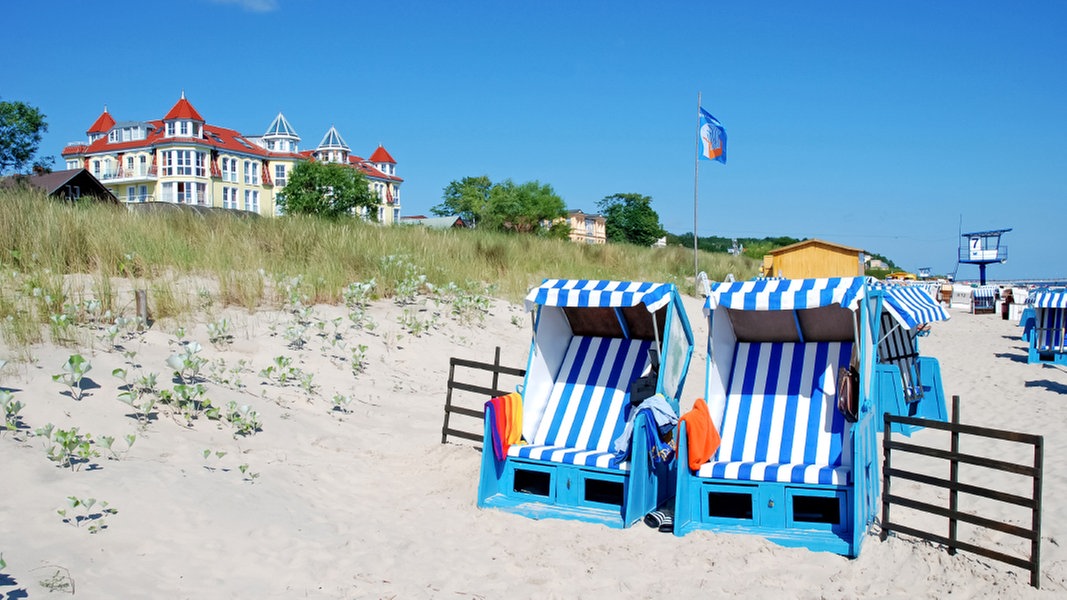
(631, 219)
(329, 190)
(21, 127)
(524, 207)
(468, 198)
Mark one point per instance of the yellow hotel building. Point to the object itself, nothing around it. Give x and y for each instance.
(181, 159)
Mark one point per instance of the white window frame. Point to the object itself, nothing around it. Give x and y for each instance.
(252, 200)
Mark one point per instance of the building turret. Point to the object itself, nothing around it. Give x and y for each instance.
(280, 136)
(333, 148)
(183, 121)
(100, 126)
(383, 161)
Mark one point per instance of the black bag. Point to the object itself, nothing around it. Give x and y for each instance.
(644, 387)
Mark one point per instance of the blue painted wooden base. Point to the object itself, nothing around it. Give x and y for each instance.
(541, 489)
(1041, 356)
(889, 395)
(814, 517)
(823, 518)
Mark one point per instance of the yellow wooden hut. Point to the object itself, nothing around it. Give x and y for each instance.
(813, 258)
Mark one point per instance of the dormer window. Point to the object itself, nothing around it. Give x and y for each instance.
(183, 129)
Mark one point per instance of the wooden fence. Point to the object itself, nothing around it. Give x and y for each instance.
(473, 407)
(952, 512)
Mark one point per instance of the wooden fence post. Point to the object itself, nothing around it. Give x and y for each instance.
(954, 477)
(886, 435)
(1035, 543)
(141, 297)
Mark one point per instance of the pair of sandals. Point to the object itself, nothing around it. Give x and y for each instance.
(661, 519)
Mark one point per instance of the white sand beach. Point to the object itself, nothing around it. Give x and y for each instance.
(369, 504)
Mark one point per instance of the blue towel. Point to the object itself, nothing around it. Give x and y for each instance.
(660, 418)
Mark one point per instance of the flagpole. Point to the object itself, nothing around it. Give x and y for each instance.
(696, 187)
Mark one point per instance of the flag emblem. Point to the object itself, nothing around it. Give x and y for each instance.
(712, 138)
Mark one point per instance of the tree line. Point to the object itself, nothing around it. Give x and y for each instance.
(534, 207)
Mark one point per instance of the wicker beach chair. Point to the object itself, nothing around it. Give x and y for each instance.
(1048, 339)
(591, 341)
(906, 383)
(791, 465)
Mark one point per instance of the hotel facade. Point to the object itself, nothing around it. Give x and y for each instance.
(181, 159)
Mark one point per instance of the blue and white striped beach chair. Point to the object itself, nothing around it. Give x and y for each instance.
(906, 383)
(591, 340)
(984, 300)
(790, 467)
(1048, 339)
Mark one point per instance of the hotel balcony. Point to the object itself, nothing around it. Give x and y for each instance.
(136, 174)
(138, 198)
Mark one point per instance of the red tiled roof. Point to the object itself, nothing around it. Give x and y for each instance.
(214, 137)
(381, 156)
(370, 170)
(183, 110)
(102, 124)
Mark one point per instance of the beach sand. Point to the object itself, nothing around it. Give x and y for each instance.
(370, 504)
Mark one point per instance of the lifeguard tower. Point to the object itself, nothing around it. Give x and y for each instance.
(983, 248)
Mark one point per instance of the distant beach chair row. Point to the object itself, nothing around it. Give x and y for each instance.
(798, 372)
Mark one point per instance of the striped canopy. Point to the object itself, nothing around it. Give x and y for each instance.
(599, 293)
(1050, 299)
(984, 292)
(786, 294)
(911, 305)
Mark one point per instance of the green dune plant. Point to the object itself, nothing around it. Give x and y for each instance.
(81, 510)
(67, 447)
(73, 374)
(11, 409)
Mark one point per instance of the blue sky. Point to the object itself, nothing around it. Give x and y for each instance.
(875, 125)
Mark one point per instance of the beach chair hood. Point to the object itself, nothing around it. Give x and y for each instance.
(1047, 299)
(911, 306)
(780, 310)
(786, 294)
(566, 308)
(594, 293)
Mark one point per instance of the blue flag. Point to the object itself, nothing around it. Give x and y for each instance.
(712, 138)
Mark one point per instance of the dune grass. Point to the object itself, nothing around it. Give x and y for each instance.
(248, 262)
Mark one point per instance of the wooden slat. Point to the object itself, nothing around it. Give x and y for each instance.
(464, 435)
(471, 364)
(477, 389)
(1000, 434)
(963, 516)
(963, 487)
(972, 459)
(467, 412)
(1014, 561)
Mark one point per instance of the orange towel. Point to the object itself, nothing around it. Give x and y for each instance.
(700, 430)
(513, 413)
